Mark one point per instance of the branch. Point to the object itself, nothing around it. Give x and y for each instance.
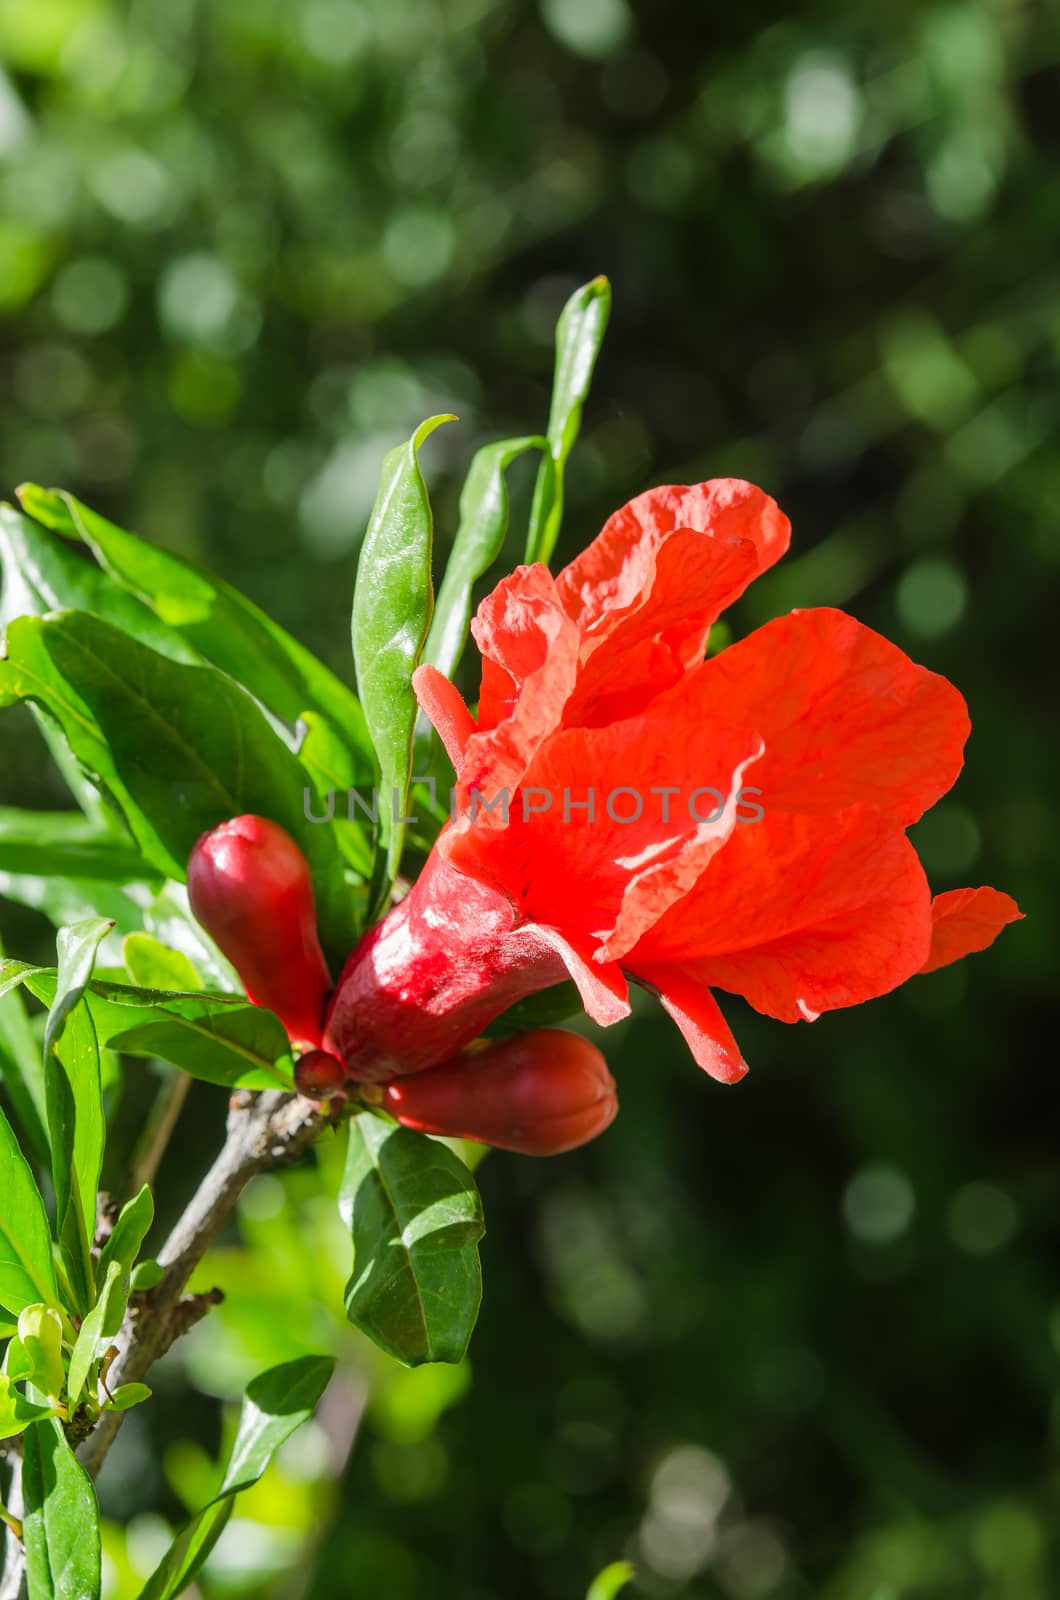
(264, 1130)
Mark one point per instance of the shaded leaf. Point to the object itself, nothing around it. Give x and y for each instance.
(27, 1274)
(129, 1232)
(97, 1329)
(16, 1412)
(416, 1219)
(276, 1403)
(153, 965)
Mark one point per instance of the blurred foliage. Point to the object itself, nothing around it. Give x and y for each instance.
(800, 1338)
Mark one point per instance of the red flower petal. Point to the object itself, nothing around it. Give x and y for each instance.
(442, 703)
(967, 920)
(801, 914)
(846, 716)
(699, 1018)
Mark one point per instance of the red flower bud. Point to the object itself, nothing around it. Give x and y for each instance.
(540, 1093)
(318, 1075)
(249, 886)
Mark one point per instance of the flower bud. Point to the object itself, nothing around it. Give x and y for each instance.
(250, 888)
(540, 1093)
(318, 1075)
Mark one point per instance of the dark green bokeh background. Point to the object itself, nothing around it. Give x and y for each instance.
(798, 1338)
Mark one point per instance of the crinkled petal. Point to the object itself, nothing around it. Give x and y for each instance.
(967, 920)
(613, 578)
(611, 825)
(530, 662)
(801, 914)
(699, 1018)
(846, 716)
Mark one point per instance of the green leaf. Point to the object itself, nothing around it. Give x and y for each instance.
(416, 1219)
(611, 1580)
(479, 540)
(16, 1412)
(76, 1127)
(66, 844)
(43, 574)
(190, 750)
(218, 1038)
(40, 1335)
(97, 1330)
(222, 624)
(147, 1275)
(61, 1520)
(128, 1395)
(276, 1404)
(153, 965)
(129, 1232)
(27, 1274)
(391, 615)
(21, 1067)
(579, 335)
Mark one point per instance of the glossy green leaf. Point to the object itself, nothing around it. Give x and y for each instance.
(609, 1582)
(42, 574)
(129, 1232)
(97, 1329)
(40, 1336)
(16, 1412)
(579, 335)
(391, 616)
(27, 1274)
(222, 624)
(182, 748)
(416, 1219)
(146, 1275)
(218, 1038)
(153, 965)
(276, 1404)
(61, 1519)
(484, 512)
(68, 844)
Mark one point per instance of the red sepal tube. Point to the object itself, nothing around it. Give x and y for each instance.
(539, 1093)
(249, 886)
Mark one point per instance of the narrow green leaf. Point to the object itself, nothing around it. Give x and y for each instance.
(416, 1219)
(61, 1520)
(76, 1127)
(27, 1274)
(479, 539)
(187, 748)
(16, 1412)
(276, 1403)
(579, 335)
(153, 965)
(67, 844)
(21, 1068)
(97, 1330)
(222, 624)
(611, 1581)
(129, 1232)
(218, 1038)
(391, 615)
(40, 1334)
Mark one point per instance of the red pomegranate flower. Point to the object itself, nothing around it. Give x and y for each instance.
(596, 694)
